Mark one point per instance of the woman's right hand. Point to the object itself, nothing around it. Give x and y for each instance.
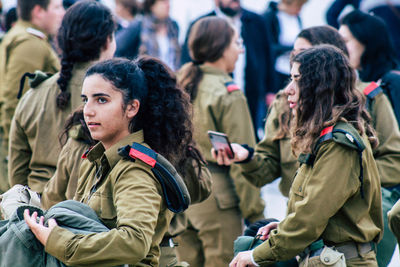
(222, 158)
(265, 230)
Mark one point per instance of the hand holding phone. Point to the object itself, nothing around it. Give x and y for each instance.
(220, 141)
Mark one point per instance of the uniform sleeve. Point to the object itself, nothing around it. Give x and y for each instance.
(236, 123)
(265, 166)
(66, 175)
(138, 203)
(27, 56)
(318, 197)
(387, 154)
(19, 155)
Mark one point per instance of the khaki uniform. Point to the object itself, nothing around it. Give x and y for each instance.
(274, 159)
(325, 202)
(63, 184)
(128, 199)
(23, 49)
(215, 223)
(34, 145)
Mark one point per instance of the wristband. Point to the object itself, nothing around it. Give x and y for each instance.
(249, 156)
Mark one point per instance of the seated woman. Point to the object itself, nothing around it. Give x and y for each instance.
(124, 102)
(335, 196)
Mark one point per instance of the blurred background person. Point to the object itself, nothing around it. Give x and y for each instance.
(25, 48)
(86, 35)
(283, 24)
(218, 105)
(154, 34)
(253, 72)
(372, 53)
(388, 10)
(125, 12)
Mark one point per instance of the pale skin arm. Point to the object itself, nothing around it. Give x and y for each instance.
(243, 259)
(222, 158)
(38, 229)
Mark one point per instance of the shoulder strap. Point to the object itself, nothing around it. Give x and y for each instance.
(372, 90)
(35, 79)
(175, 192)
(344, 134)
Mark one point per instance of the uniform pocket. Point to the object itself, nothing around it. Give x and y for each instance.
(227, 200)
(299, 181)
(107, 208)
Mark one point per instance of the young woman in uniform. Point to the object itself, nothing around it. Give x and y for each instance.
(124, 102)
(219, 105)
(335, 197)
(273, 158)
(85, 36)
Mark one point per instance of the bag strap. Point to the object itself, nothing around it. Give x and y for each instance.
(174, 189)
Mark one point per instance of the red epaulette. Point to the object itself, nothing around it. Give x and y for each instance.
(231, 86)
(372, 90)
(84, 155)
(146, 155)
(326, 131)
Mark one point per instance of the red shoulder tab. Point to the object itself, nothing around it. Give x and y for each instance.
(136, 154)
(231, 86)
(326, 130)
(370, 87)
(84, 155)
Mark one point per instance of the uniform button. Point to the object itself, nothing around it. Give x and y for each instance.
(326, 259)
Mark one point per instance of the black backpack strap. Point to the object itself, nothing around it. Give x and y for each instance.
(174, 189)
(34, 80)
(345, 134)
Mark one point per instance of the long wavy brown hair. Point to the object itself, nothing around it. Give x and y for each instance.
(327, 94)
(315, 35)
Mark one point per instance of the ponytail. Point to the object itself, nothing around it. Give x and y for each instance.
(167, 108)
(190, 79)
(84, 32)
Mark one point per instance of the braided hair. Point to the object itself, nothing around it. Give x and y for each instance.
(84, 31)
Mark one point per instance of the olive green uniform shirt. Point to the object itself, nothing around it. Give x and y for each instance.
(63, 184)
(216, 109)
(274, 158)
(325, 202)
(129, 201)
(36, 126)
(23, 49)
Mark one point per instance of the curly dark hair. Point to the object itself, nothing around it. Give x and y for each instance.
(327, 94)
(315, 35)
(84, 31)
(208, 39)
(164, 113)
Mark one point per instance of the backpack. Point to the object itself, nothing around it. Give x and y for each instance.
(391, 87)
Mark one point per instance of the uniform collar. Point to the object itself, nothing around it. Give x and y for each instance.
(212, 70)
(36, 31)
(111, 154)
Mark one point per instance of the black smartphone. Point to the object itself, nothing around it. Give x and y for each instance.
(221, 141)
